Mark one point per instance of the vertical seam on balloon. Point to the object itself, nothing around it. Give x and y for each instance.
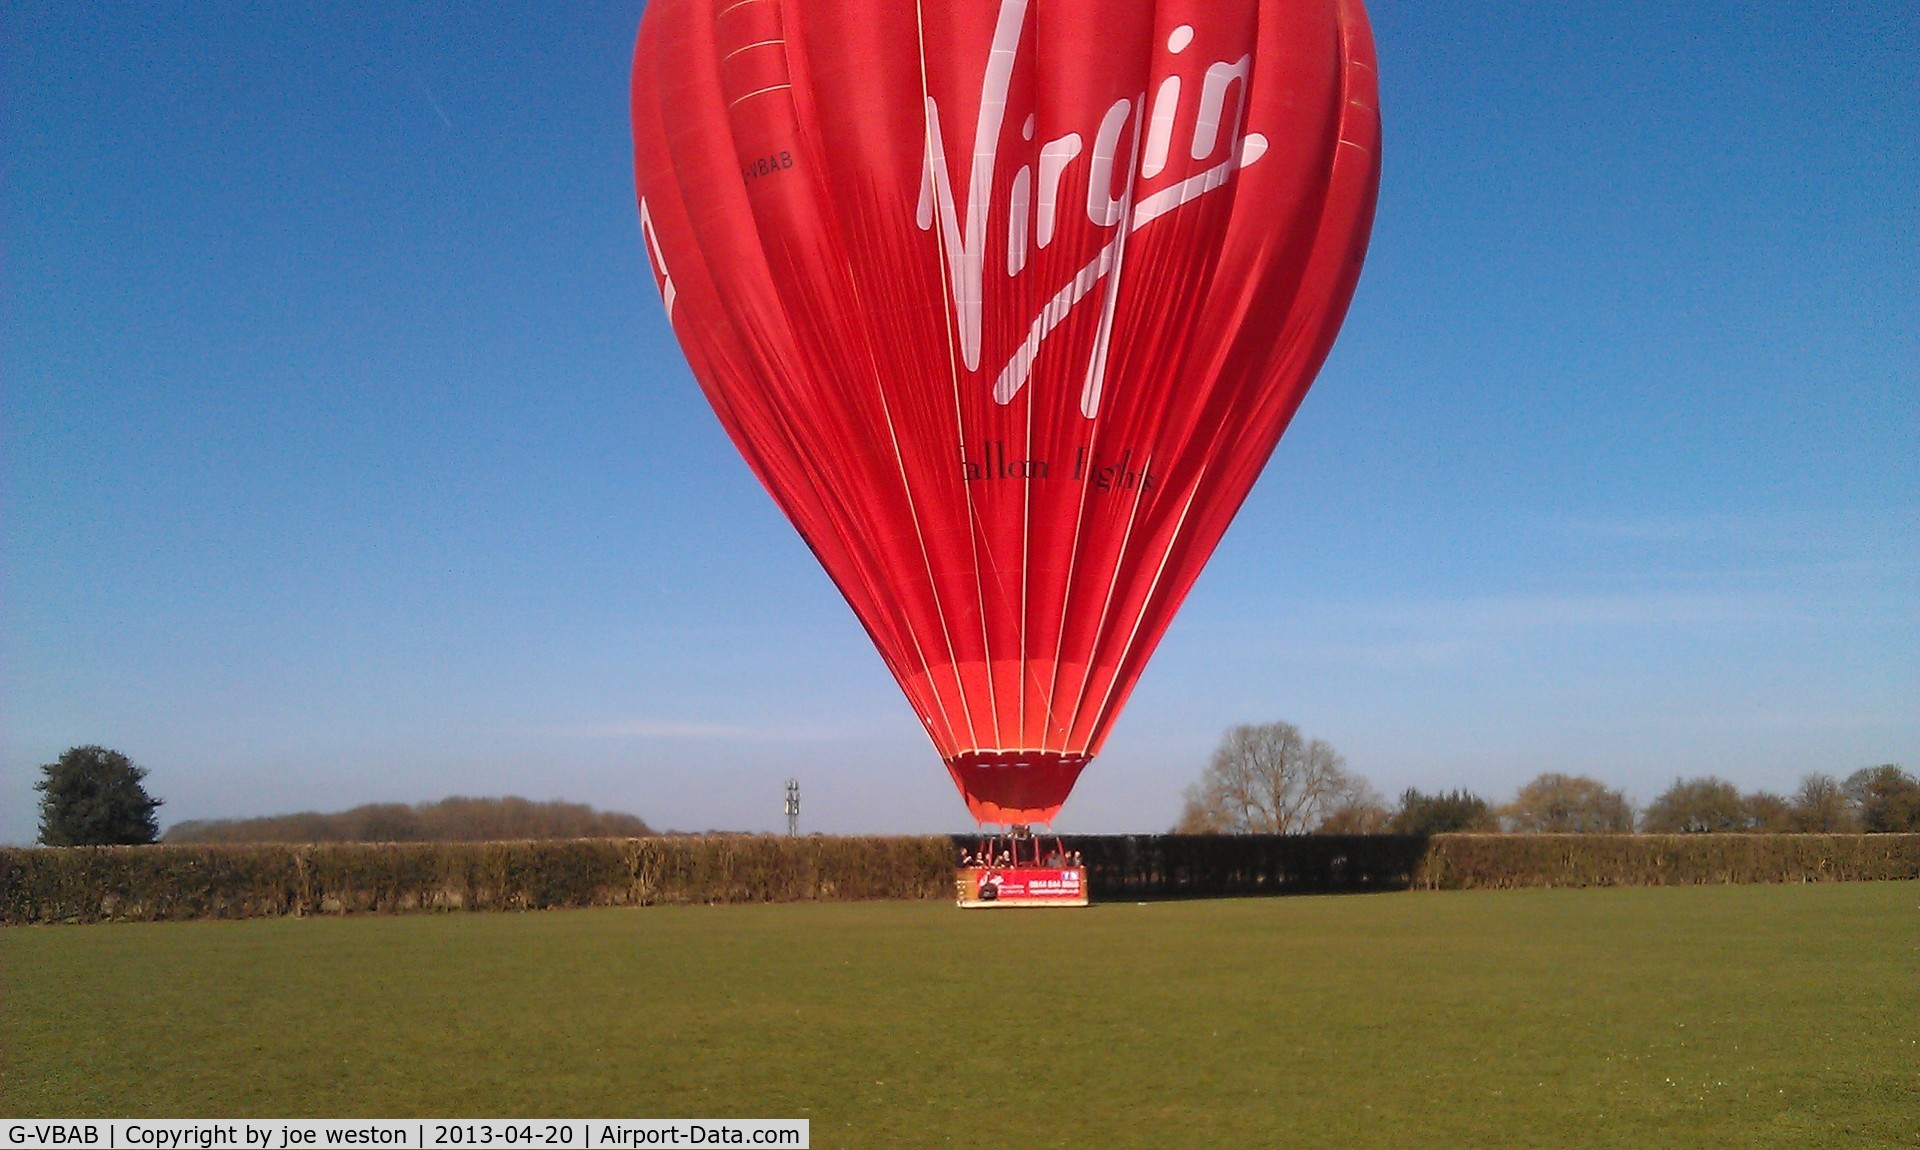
(1160, 570)
(945, 735)
(913, 513)
(867, 575)
(1120, 556)
(946, 300)
(975, 525)
(1080, 512)
(1113, 288)
(1026, 499)
(1026, 551)
(845, 514)
(1174, 536)
(1102, 349)
(1073, 563)
(919, 534)
(1118, 675)
(1066, 596)
(781, 421)
(1106, 607)
(959, 411)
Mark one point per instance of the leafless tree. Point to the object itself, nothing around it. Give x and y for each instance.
(1271, 779)
(1695, 806)
(1568, 804)
(1767, 812)
(1820, 806)
(1359, 811)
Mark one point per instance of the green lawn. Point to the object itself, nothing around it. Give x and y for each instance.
(1707, 1016)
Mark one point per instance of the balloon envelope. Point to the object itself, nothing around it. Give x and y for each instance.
(1006, 303)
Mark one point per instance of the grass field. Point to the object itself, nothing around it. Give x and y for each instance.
(1702, 1016)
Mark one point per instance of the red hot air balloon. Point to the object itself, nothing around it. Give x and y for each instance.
(1007, 302)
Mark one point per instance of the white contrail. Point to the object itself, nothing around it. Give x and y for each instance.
(437, 109)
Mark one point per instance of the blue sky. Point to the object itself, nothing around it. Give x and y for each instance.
(348, 457)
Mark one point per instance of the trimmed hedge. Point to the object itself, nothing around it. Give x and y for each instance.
(1193, 866)
(1212, 866)
(150, 883)
(92, 884)
(1465, 862)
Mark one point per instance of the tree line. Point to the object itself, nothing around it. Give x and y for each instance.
(93, 796)
(453, 820)
(1263, 779)
(1271, 779)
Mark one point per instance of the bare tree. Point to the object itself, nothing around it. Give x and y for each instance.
(1767, 812)
(1270, 779)
(1696, 806)
(1359, 810)
(1568, 804)
(1820, 806)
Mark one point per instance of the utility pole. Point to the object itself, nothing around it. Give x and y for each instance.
(793, 808)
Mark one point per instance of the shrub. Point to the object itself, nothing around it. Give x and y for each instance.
(91, 796)
(1886, 799)
(1567, 804)
(1696, 806)
(1767, 812)
(1438, 814)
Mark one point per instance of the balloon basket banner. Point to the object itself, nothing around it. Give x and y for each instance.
(979, 887)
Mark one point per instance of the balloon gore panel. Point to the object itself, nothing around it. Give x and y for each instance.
(1006, 303)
